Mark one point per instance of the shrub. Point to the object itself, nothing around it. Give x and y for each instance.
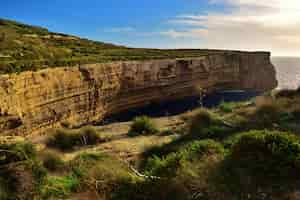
(264, 154)
(168, 165)
(216, 131)
(142, 126)
(200, 148)
(266, 115)
(89, 135)
(102, 173)
(226, 107)
(65, 139)
(4, 190)
(205, 125)
(21, 173)
(16, 151)
(52, 161)
(200, 121)
(60, 187)
(164, 167)
(152, 189)
(296, 113)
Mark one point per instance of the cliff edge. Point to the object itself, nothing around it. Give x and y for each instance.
(34, 101)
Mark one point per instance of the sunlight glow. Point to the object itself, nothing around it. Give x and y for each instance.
(272, 25)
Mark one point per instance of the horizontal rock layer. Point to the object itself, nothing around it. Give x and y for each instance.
(31, 102)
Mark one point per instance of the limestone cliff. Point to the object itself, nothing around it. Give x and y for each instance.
(33, 101)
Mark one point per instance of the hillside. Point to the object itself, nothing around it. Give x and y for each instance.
(24, 47)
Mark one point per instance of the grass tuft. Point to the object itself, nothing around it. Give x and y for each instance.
(65, 139)
(227, 107)
(142, 126)
(52, 161)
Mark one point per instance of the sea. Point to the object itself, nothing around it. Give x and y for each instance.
(288, 76)
(288, 72)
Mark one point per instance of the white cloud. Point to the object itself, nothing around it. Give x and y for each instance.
(251, 24)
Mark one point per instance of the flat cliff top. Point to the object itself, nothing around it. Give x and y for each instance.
(25, 47)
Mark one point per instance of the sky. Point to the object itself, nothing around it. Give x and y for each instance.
(268, 25)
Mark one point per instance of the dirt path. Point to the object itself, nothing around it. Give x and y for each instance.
(119, 144)
(129, 148)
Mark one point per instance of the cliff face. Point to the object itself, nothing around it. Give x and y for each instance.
(33, 101)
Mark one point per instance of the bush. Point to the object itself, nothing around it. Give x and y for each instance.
(21, 173)
(216, 131)
(89, 135)
(260, 162)
(64, 139)
(226, 107)
(205, 125)
(142, 126)
(79, 176)
(197, 149)
(4, 190)
(164, 167)
(264, 154)
(296, 113)
(52, 161)
(203, 119)
(152, 189)
(60, 187)
(266, 115)
(16, 151)
(168, 165)
(102, 173)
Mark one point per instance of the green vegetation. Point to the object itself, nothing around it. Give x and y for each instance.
(60, 186)
(204, 124)
(142, 126)
(245, 150)
(168, 165)
(23, 179)
(52, 161)
(251, 152)
(67, 139)
(267, 155)
(15, 151)
(24, 47)
(227, 107)
(266, 114)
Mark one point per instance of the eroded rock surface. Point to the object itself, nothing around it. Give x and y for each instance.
(33, 101)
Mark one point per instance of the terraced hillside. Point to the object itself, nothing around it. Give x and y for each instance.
(24, 47)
